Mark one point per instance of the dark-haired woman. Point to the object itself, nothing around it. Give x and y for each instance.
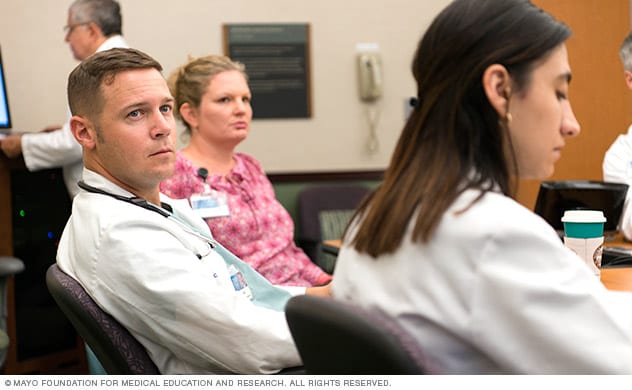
(484, 284)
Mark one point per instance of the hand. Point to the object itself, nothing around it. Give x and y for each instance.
(322, 291)
(12, 145)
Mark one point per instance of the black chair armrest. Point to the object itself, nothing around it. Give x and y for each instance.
(310, 246)
(10, 265)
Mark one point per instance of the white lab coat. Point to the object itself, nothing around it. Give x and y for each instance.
(617, 167)
(59, 148)
(142, 269)
(495, 291)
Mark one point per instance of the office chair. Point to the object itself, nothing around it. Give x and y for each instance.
(117, 350)
(335, 337)
(9, 266)
(323, 214)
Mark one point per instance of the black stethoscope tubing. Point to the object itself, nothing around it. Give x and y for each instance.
(135, 200)
(140, 202)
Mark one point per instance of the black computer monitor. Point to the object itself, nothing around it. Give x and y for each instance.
(5, 115)
(555, 197)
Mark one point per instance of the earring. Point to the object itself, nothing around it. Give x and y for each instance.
(508, 117)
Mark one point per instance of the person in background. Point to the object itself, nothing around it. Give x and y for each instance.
(92, 26)
(483, 283)
(148, 260)
(212, 99)
(617, 162)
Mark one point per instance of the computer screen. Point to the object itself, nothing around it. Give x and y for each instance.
(555, 197)
(5, 116)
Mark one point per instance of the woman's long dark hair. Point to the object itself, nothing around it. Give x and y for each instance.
(454, 139)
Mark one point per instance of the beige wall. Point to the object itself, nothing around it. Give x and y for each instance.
(37, 62)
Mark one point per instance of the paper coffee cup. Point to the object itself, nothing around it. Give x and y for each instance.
(583, 234)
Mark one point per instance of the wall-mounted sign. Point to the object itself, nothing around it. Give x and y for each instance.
(277, 62)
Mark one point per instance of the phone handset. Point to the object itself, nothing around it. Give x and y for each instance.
(369, 75)
(370, 84)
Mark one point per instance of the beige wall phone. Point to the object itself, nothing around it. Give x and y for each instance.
(370, 85)
(370, 75)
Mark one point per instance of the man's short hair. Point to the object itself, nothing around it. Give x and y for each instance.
(104, 13)
(85, 96)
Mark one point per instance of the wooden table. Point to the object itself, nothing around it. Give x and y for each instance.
(619, 279)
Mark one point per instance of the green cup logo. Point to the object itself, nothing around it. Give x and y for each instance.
(583, 234)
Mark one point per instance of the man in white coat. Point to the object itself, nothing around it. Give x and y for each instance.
(149, 260)
(617, 162)
(93, 26)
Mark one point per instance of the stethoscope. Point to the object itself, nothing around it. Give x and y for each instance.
(135, 200)
(140, 202)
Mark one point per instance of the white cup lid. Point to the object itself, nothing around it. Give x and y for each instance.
(583, 216)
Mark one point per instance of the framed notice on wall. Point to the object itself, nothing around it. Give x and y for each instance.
(277, 62)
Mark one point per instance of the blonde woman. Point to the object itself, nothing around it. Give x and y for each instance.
(213, 101)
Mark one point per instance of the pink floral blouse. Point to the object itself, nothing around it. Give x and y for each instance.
(258, 230)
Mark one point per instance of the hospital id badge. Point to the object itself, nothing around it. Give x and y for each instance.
(210, 204)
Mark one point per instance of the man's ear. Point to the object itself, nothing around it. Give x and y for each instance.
(628, 78)
(497, 87)
(189, 115)
(83, 131)
(95, 30)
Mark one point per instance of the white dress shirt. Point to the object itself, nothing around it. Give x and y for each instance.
(617, 167)
(495, 291)
(59, 148)
(143, 269)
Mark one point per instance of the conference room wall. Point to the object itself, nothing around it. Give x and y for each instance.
(37, 62)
